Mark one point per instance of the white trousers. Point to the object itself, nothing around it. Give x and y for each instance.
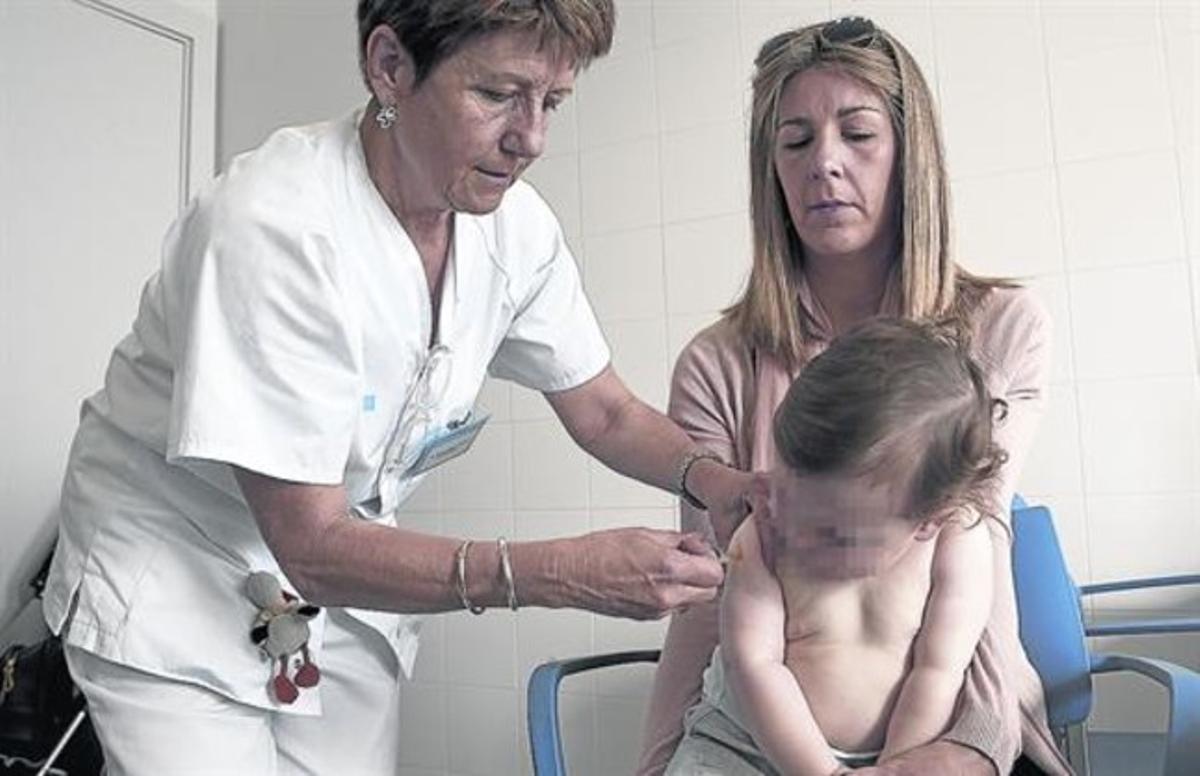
(151, 725)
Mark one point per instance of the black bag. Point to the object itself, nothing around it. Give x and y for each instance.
(38, 700)
(38, 703)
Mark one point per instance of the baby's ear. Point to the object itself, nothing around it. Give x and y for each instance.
(928, 529)
(758, 494)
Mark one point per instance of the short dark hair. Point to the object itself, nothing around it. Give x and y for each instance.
(432, 30)
(895, 397)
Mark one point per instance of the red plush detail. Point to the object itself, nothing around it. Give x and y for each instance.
(285, 691)
(308, 675)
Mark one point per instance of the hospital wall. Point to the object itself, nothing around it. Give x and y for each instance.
(1072, 133)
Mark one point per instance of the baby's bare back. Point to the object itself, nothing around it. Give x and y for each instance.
(849, 643)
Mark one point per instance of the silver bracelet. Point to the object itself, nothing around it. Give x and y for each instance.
(460, 578)
(507, 571)
(684, 466)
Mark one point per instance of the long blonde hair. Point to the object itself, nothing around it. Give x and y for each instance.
(769, 313)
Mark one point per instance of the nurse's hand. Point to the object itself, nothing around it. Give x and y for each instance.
(726, 492)
(641, 573)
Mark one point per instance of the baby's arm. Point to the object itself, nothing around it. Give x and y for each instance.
(960, 600)
(752, 646)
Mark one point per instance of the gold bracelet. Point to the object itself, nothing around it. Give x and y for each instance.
(506, 570)
(460, 578)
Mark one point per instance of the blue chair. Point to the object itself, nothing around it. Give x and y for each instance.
(1053, 633)
(1049, 604)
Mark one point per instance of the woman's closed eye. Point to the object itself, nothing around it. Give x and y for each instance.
(857, 135)
(495, 95)
(851, 135)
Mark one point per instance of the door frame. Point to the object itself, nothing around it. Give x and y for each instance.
(196, 36)
(191, 25)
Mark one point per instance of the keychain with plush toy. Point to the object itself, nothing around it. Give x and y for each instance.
(281, 630)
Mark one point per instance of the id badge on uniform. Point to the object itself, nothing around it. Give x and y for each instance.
(452, 442)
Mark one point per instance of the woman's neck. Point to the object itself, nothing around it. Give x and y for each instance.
(425, 222)
(429, 228)
(849, 289)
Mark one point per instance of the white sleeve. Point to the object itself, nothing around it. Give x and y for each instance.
(265, 372)
(554, 342)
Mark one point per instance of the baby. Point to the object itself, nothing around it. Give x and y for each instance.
(850, 614)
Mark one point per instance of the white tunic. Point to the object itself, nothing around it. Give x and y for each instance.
(282, 334)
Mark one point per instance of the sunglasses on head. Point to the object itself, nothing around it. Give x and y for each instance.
(849, 31)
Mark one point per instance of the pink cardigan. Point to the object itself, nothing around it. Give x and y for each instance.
(724, 394)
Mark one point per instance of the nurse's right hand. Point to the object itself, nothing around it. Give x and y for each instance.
(641, 573)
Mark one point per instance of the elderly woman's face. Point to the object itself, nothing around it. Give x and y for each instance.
(480, 118)
(835, 153)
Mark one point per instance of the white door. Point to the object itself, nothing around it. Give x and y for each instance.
(107, 120)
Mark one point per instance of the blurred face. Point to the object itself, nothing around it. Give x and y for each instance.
(478, 120)
(835, 152)
(839, 525)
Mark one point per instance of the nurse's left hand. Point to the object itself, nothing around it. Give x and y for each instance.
(641, 573)
(728, 493)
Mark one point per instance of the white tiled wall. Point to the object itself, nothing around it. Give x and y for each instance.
(1072, 135)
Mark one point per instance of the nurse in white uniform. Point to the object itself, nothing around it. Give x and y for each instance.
(313, 344)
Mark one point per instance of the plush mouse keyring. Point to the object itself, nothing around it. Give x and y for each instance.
(280, 630)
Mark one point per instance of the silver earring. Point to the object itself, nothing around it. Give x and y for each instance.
(386, 116)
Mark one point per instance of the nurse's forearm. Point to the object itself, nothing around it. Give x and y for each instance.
(334, 559)
(346, 561)
(379, 567)
(620, 430)
(643, 440)
(634, 439)
(628, 572)
(640, 442)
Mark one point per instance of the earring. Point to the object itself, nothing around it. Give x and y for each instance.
(386, 116)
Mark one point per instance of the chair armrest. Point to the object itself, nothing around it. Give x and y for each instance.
(1143, 627)
(1183, 689)
(1140, 584)
(545, 740)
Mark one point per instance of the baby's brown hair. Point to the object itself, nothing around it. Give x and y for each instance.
(895, 397)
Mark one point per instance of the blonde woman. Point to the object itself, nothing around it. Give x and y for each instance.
(850, 216)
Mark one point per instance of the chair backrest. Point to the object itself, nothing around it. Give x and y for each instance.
(1051, 621)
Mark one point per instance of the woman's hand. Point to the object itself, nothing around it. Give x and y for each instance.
(640, 573)
(939, 757)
